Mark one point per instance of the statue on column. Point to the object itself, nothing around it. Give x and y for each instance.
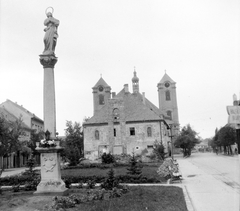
(51, 34)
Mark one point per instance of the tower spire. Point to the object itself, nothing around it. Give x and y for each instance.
(135, 82)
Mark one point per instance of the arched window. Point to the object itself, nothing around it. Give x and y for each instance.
(101, 99)
(149, 132)
(96, 134)
(169, 113)
(168, 96)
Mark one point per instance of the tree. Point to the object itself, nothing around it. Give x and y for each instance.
(134, 169)
(74, 142)
(35, 137)
(187, 139)
(227, 137)
(159, 150)
(10, 134)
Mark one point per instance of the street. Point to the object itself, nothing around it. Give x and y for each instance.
(221, 167)
(212, 181)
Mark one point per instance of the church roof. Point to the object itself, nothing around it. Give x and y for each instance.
(166, 78)
(134, 109)
(101, 82)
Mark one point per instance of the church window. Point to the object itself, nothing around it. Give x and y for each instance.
(132, 131)
(115, 114)
(169, 113)
(168, 97)
(101, 100)
(149, 132)
(96, 134)
(114, 132)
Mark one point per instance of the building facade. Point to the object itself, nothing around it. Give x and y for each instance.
(126, 122)
(12, 111)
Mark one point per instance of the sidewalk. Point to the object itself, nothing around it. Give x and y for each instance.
(206, 192)
(14, 171)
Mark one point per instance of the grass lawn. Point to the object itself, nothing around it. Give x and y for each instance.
(148, 171)
(151, 198)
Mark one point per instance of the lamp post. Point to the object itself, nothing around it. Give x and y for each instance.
(236, 104)
(171, 136)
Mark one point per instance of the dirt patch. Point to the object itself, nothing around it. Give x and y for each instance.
(23, 201)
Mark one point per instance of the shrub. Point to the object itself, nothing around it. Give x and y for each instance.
(111, 181)
(107, 158)
(158, 150)
(16, 188)
(91, 184)
(135, 168)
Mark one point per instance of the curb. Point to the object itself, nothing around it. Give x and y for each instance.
(188, 200)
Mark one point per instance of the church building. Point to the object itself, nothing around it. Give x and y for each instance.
(128, 122)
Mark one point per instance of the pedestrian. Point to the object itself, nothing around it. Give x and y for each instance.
(236, 151)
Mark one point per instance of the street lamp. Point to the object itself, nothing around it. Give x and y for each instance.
(171, 136)
(236, 104)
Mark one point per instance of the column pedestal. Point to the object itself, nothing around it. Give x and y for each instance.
(51, 182)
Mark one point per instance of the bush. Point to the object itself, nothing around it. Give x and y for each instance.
(111, 181)
(135, 168)
(91, 184)
(159, 150)
(107, 158)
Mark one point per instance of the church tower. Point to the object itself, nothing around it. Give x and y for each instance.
(101, 94)
(135, 82)
(167, 97)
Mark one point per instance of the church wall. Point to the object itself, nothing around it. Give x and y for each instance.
(91, 145)
(123, 141)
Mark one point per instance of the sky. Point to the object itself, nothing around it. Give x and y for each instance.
(197, 43)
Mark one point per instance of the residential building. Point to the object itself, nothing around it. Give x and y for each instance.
(12, 111)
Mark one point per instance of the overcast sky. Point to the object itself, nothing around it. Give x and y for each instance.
(196, 42)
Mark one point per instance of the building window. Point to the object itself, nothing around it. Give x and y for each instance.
(132, 131)
(115, 113)
(149, 132)
(114, 132)
(101, 100)
(168, 97)
(169, 113)
(96, 134)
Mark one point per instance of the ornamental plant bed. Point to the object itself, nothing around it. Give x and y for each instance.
(148, 171)
(167, 198)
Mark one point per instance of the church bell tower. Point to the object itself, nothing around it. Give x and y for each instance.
(167, 97)
(101, 94)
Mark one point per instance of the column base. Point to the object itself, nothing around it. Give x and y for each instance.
(52, 187)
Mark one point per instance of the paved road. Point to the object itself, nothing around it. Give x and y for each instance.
(221, 167)
(212, 181)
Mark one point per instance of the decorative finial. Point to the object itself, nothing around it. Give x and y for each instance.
(165, 71)
(101, 75)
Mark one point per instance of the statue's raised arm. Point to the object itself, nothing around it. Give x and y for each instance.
(51, 34)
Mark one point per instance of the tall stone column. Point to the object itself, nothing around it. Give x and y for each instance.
(49, 109)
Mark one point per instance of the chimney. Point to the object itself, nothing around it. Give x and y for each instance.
(126, 88)
(113, 94)
(143, 98)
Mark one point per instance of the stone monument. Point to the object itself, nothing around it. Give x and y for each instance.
(49, 148)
